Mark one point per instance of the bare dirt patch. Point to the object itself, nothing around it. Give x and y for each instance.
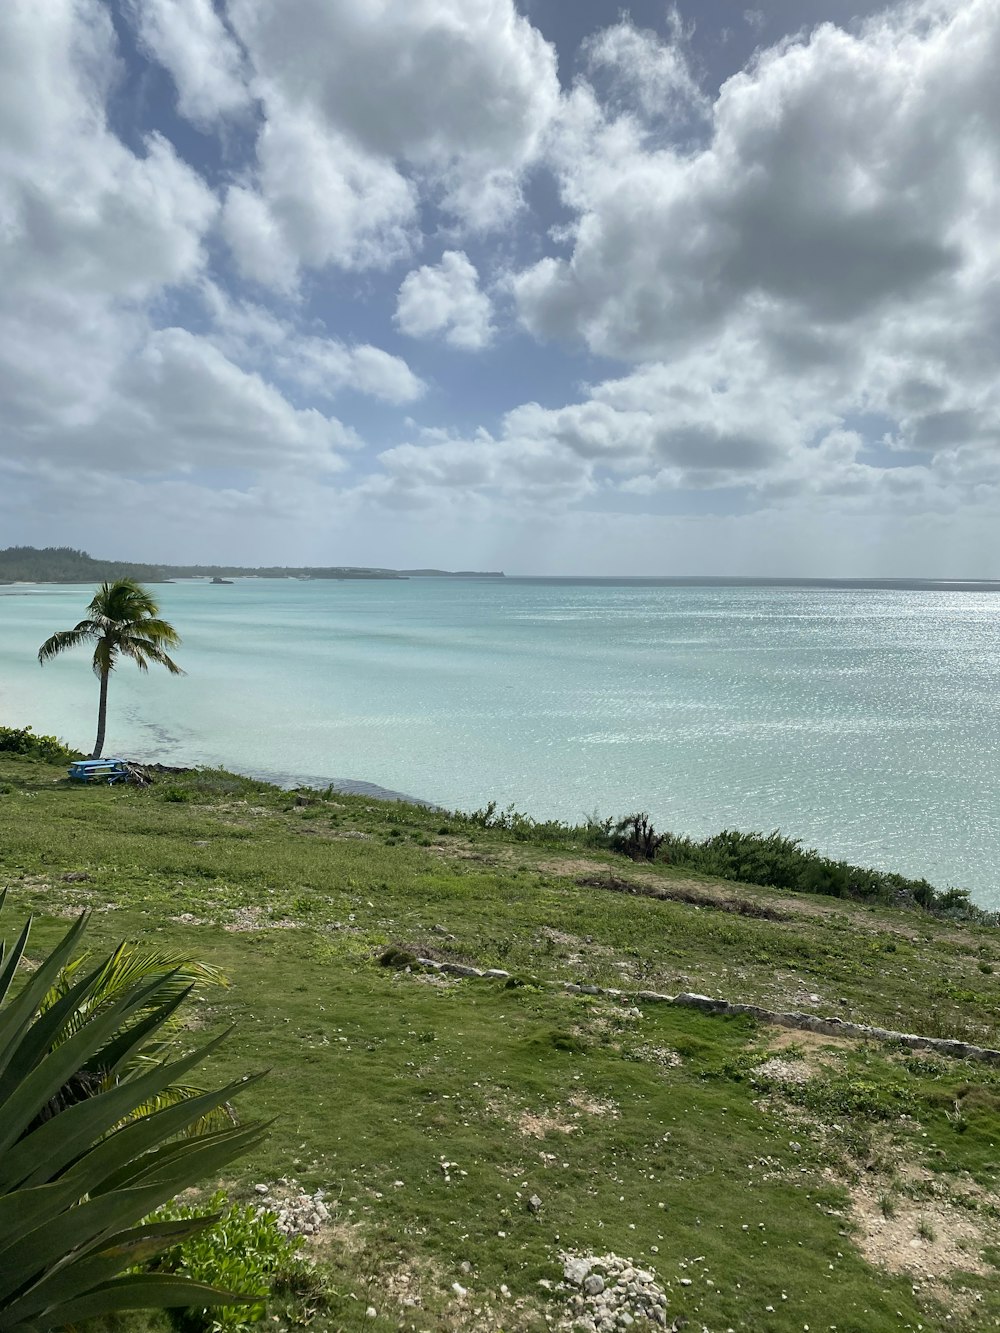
(929, 1238)
(671, 891)
(537, 1125)
(434, 979)
(664, 1056)
(247, 919)
(594, 1105)
(784, 1071)
(814, 1046)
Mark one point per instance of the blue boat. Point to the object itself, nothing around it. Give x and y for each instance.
(99, 770)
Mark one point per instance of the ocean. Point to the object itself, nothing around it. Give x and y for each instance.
(863, 720)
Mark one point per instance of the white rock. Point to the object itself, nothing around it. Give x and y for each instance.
(575, 1270)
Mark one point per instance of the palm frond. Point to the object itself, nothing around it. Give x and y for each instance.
(217, 1117)
(125, 968)
(63, 639)
(159, 631)
(142, 651)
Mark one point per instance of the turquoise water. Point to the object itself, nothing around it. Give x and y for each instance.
(865, 722)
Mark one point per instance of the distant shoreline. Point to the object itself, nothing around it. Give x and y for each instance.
(66, 564)
(563, 580)
(225, 575)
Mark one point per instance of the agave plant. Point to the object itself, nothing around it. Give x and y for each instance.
(79, 1174)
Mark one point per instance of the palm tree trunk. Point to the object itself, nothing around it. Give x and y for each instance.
(102, 716)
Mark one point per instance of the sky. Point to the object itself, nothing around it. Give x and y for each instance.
(551, 287)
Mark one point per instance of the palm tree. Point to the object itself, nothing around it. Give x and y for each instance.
(124, 620)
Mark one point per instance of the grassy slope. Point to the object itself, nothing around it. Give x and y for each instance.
(644, 1130)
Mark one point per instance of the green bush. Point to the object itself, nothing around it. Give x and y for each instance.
(22, 740)
(783, 863)
(243, 1251)
(769, 859)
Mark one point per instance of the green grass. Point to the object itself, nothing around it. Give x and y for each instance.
(663, 1137)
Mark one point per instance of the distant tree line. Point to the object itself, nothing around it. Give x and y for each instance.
(65, 564)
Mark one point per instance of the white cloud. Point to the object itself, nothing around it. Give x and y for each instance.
(827, 254)
(445, 299)
(317, 199)
(430, 81)
(96, 237)
(256, 338)
(79, 212)
(365, 108)
(647, 74)
(190, 40)
(181, 401)
(173, 401)
(843, 174)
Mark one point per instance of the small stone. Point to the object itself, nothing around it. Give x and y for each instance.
(593, 1284)
(262, 1189)
(371, 1312)
(465, 1267)
(459, 1290)
(534, 1204)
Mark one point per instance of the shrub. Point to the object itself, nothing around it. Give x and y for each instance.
(243, 1251)
(592, 833)
(634, 836)
(778, 862)
(22, 740)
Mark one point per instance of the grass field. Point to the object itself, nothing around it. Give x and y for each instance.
(772, 1180)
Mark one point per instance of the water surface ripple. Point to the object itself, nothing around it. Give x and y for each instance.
(865, 721)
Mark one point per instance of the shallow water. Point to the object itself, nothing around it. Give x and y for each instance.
(864, 721)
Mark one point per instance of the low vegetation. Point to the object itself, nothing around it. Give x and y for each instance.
(463, 1136)
(768, 859)
(23, 741)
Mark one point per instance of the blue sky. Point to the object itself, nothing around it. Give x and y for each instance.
(550, 287)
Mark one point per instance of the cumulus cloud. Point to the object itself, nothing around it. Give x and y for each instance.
(258, 338)
(367, 107)
(96, 236)
(647, 74)
(189, 39)
(833, 234)
(79, 211)
(316, 199)
(431, 82)
(843, 173)
(445, 299)
(175, 402)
